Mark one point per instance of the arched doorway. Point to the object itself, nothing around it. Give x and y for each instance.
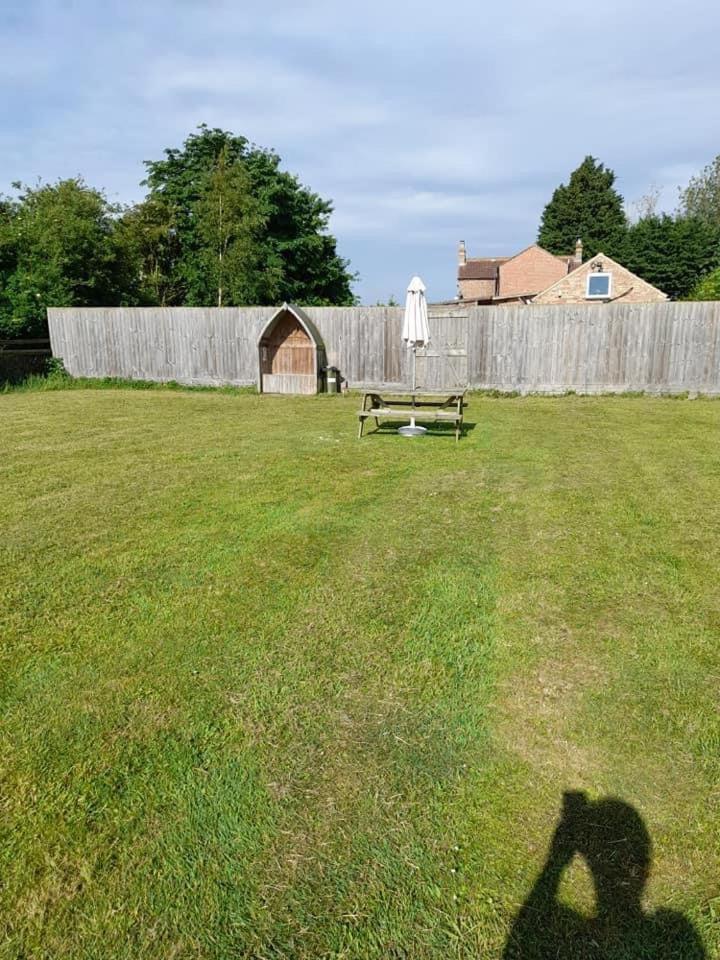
(291, 353)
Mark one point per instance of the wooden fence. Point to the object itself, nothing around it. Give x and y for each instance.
(20, 358)
(658, 348)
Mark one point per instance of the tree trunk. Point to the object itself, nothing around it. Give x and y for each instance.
(220, 252)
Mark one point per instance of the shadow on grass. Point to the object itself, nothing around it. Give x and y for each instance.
(612, 839)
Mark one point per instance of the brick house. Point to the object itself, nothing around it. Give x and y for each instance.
(536, 276)
(514, 279)
(600, 280)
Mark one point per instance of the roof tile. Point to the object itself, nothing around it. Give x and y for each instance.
(480, 268)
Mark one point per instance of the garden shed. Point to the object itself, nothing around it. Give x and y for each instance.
(291, 353)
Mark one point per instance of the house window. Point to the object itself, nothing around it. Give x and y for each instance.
(598, 286)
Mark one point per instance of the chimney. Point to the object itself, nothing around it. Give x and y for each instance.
(578, 253)
(462, 254)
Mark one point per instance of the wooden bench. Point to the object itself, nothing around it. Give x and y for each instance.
(425, 406)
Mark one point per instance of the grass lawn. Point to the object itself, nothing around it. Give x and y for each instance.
(269, 691)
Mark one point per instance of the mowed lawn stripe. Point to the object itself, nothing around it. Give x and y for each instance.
(244, 696)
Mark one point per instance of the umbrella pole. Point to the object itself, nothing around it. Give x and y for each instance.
(414, 383)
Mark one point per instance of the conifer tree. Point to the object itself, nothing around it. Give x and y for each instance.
(589, 208)
(672, 253)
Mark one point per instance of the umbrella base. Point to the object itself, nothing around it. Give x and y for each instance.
(412, 431)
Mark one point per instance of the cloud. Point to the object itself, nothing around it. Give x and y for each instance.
(423, 125)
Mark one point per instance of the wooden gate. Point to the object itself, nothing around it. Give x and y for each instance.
(290, 350)
(443, 364)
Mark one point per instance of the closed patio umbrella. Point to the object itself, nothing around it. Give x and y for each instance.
(415, 333)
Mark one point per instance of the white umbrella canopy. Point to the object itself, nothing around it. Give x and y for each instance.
(415, 333)
(415, 328)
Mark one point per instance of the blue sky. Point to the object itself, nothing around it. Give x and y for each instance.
(425, 123)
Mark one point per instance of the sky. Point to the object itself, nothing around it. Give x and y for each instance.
(425, 123)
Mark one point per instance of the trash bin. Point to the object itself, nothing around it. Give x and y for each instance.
(332, 379)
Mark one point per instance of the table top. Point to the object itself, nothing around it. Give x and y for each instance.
(395, 392)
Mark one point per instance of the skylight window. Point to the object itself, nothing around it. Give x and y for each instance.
(598, 286)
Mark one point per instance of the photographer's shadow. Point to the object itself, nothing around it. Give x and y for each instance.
(612, 839)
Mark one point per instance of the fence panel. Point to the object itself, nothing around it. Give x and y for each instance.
(665, 347)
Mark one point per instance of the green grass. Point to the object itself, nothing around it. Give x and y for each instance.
(272, 692)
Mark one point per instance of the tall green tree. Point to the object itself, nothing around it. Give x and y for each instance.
(701, 197)
(57, 249)
(672, 253)
(587, 207)
(230, 222)
(287, 255)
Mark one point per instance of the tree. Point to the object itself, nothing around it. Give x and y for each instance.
(672, 253)
(701, 197)
(230, 221)
(297, 237)
(148, 243)
(57, 249)
(589, 208)
(8, 261)
(646, 206)
(707, 288)
(287, 256)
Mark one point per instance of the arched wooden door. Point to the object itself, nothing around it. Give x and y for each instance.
(288, 357)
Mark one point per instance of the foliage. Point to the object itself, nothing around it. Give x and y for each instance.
(147, 237)
(229, 221)
(55, 369)
(49, 374)
(587, 207)
(707, 288)
(672, 253)
(221, 224)
(57, 378)
(56, 249)
(251, 710)
(8, 260)
(279, 225)
(701, 197)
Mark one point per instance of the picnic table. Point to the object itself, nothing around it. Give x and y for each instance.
(435, 406)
